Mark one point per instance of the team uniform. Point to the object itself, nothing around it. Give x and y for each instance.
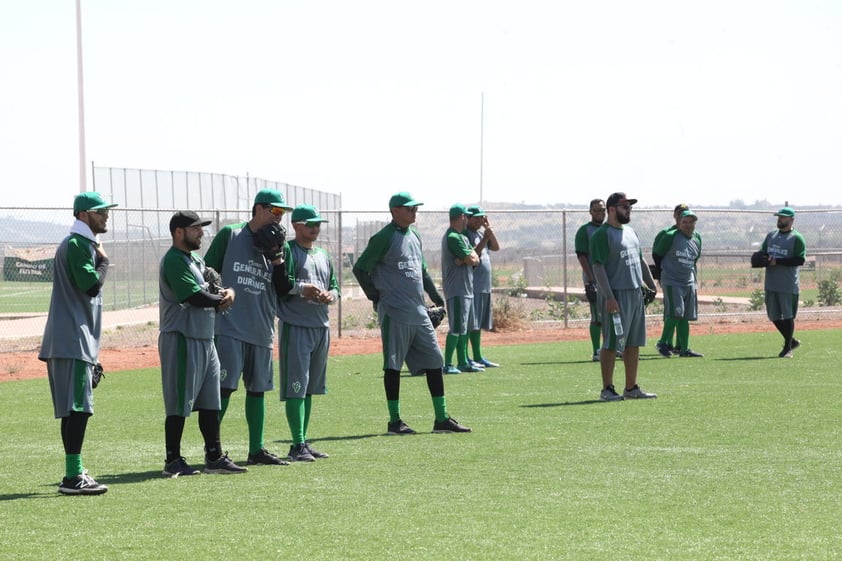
(582, 242)
(483, 318)
(189, 363)
(782, 281)
(618, 250)
(677, 256)
(458, 284)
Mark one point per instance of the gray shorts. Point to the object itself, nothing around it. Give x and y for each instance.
(189, 374)
(781, 305)
(633, 316)
(483, 318)
(460, 314)
(70, 386)
(303, 355)
(680, 302)
(414, 344)
(252, 362)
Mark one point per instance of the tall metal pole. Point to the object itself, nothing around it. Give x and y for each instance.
(481, 139)
(80, 85)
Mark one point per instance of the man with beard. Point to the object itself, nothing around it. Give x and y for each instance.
(620, 271)
(189, 363)
(583, 254)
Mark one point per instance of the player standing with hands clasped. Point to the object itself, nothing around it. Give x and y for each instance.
(621, 273)
(393, 275)
(676, 254)
(189, 363)
(70, 346)
(304, 329)
(249, 256)
(583, 254)
(782, 253)
(483, 240)
(458, 260)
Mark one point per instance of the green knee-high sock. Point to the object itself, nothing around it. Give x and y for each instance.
(308, 406)
(462, 349)
(73, 465)
(440, 407)
(476, 344)
(295, 418)
(682, 334)
(255, 419)
(224, 407)
(394, 406)
(449, 346)
(669, 329)
(596, 332)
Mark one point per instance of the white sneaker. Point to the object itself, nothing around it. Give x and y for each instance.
(637, 393)
(609, 394)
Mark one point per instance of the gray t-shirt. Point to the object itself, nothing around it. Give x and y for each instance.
(182, 275)
(307, 266)
(618, 250)
(457, 280)
(482, 272)
(679, 256)
(783, 245)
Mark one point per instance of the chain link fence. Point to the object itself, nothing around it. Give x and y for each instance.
(536, 275)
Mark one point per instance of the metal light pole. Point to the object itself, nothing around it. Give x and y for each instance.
(481, 136)
(80, 87)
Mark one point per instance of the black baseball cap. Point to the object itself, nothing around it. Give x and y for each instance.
(185, 219)
(619, 198)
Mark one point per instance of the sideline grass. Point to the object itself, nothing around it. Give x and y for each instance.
(739, 458)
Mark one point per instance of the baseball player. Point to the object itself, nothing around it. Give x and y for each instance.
(676, 254)
(665, 345)
(70, 346)
(786, 251)
(583, 254)
(189, 363)
(304, 329)
(481, 237)
(620, 271)
(393, 275)
(458, 260)
(245, 334)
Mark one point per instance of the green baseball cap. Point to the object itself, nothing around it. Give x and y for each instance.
(271, 197)
(688, 212)
(403, 199)
(786, 211)
(457, 210)
(89, 201)
(475, 211)
(307, 214)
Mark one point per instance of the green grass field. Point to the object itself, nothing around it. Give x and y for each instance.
(739, 458)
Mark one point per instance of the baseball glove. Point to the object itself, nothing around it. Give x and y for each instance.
(590, 292)
(214, 280)
(97, 375)
(759, 259)
(648, 295)
(437, 314)
(269, 240)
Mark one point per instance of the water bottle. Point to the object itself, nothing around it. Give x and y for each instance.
(618, 330)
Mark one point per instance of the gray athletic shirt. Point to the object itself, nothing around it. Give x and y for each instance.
(74, 322)
(395, 261)
(305, 266)
(482, 272)
(618, 250)
(181, 275)
(244, 268)
(679, 256)
(457, 280)
(783, 245)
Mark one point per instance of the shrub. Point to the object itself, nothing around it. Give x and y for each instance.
(508, 314)
(757, 300)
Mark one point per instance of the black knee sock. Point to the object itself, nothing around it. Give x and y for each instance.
(787, 331)
(435, 382)
(173, 429)
(209, 427)
(73, 431)
(392, 384)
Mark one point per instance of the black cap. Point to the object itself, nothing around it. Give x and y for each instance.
(185, 219)
(618, 198)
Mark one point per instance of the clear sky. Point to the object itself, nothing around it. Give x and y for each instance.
(704, 101)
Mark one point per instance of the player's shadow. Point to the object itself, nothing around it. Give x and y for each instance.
(19, 496)
(332, 438)
(125, 478)
(740, 358)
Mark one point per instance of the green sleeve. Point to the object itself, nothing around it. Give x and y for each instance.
(582, 243)
(800, 246)
(377, 247)
(663, 242)
(81, 263)
(179, 277)
(216, 252)
(457, 246)
(599, 246)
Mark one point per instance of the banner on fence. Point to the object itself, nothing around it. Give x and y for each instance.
(33, 264)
